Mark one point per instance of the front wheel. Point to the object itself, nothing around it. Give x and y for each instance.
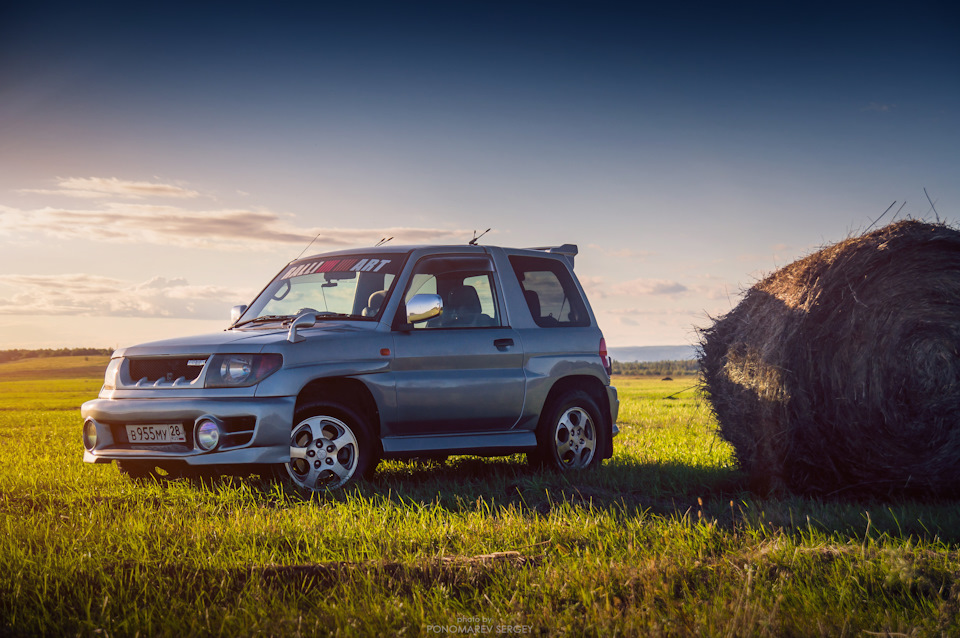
(330, 447)
(568, 436)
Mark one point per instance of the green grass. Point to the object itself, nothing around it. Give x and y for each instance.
(663, 540)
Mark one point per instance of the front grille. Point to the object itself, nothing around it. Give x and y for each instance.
(165, 369)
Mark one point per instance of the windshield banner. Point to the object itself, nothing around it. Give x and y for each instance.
(349, 264)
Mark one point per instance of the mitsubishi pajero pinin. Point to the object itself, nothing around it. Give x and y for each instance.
(350, 357)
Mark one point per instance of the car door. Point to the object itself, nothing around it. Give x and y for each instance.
(461, 372)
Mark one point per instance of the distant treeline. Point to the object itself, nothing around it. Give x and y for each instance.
(658, 368)
(15, 355)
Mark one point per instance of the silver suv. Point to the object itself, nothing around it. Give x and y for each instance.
(349, 357)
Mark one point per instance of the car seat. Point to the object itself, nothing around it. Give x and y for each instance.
(462, 307)
(533, 302)
(374, 303)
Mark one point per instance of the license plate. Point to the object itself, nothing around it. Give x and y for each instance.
(156, 433)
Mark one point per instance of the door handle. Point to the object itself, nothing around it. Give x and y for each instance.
(503, 344)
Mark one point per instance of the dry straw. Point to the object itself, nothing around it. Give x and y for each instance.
(840, 373)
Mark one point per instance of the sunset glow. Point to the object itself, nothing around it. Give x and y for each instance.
(158, 172)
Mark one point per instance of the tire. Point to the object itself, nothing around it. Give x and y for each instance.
(570, 433)
(331, 447)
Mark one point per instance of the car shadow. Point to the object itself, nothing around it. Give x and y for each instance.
(624, 487)
(621, 484)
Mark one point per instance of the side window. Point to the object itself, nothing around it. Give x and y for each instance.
(551, 295)
(464, 284)
(421, 284)
(484, 288)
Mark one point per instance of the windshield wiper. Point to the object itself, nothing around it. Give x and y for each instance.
(268, 318)
(263, 319)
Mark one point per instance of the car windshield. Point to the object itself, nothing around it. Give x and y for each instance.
(353, 287)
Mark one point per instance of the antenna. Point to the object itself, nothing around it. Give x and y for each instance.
(383, 241)
(473, 242)
(308, 246)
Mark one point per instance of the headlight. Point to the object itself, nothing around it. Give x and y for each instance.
(207, 434)
(236, 370)
(240, 370)
(110, 376)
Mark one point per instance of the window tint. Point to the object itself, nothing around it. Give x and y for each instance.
(551, 295)
(349, 286)
(483, 286)
(466, 287)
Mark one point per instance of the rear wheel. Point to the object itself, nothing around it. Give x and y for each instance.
(568, 436)
(330, 447)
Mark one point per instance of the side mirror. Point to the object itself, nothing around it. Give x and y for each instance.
(306, 320)
(236, 312)
(423, 307)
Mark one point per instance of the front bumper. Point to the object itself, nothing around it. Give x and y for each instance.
(256, 430)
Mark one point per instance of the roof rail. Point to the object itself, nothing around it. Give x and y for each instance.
(567, 250)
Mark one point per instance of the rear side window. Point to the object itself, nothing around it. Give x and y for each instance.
(552, 296)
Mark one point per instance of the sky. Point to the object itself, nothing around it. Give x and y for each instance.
(161, 163)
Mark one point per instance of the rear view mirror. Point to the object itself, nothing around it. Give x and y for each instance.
(424, 307)
(337, 276)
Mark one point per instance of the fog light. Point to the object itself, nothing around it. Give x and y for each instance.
(207, 434)
(90, 435)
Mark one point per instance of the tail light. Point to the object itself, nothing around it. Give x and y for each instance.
(604, 357)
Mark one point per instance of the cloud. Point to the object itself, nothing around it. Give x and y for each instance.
(229, 229)
(641, 287)
(713, 288)
(653, 312)
(879, 107)
(102, 187)
(778, 252)
(623, 253)
(95, 296)
(665, 316)
(593, 286)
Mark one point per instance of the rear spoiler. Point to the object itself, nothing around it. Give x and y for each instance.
(567, 250)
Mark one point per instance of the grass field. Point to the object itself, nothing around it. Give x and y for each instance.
(663, 540)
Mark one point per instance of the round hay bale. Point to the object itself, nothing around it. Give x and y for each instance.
(840, 373)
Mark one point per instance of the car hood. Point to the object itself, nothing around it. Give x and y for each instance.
(241, 341)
